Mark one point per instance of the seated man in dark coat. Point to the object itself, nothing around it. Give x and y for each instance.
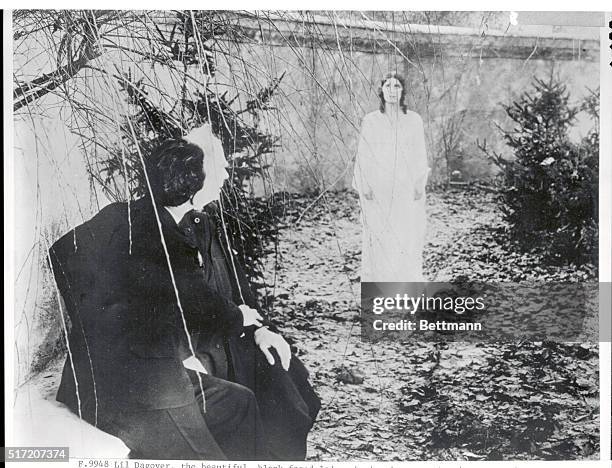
(140, 304)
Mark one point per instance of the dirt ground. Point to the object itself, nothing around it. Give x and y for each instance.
(425, 401)
(404, 400)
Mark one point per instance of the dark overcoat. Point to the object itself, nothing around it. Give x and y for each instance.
(128, 335)
(125, 324)
(286, 400)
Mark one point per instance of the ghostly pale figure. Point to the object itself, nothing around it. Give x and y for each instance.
(390, 175)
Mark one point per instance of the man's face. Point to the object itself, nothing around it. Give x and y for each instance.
(215, 174)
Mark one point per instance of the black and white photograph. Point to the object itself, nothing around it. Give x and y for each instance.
(307, 235)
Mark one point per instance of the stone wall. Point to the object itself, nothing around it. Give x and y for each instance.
(331, 73)
(457, 79)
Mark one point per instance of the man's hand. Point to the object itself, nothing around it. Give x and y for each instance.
(266, 339)
(250, 316)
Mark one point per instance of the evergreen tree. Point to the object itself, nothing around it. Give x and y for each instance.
(250, 222)
(549, 189)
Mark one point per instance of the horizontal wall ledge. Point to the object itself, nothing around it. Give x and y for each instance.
(411, 40)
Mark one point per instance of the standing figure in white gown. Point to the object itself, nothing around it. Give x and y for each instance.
(390, 175)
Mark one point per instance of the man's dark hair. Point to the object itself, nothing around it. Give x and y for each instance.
(176, 171)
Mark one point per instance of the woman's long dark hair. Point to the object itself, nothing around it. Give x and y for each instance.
(386, 78)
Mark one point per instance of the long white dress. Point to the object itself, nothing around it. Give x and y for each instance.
(391, 161)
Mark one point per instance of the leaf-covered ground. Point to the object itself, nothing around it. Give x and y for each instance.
(422, 401)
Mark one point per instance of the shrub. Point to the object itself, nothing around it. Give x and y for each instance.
(549, 189)
(250, 222)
